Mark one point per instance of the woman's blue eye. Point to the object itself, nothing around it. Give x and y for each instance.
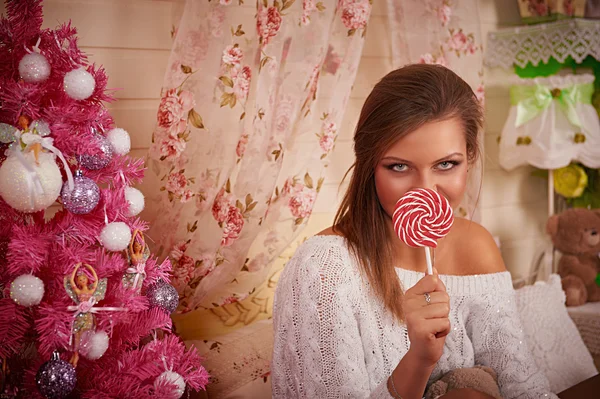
(447, 165)
(398, 167)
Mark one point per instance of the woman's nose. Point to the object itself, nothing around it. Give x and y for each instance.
(425, 180)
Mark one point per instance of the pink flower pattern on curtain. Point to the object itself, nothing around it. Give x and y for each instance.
(251, 104)
(445, 32)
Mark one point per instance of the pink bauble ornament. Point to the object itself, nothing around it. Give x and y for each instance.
(83, 198)
(101, 159)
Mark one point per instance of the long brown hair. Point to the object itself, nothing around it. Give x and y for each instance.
(400, 103)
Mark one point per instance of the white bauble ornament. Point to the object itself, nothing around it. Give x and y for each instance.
(17, 184)
(79, 84)
(115, 236)
(27, 290)
(93, 344)
(120, 141)
(173, 378)
(135, 198)
(34, 68)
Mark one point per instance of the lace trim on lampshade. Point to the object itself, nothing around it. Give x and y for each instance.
(577, 38)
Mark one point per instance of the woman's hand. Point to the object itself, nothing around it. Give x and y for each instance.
(427, 323)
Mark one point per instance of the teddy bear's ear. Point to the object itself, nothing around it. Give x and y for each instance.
(437, 389)
(552, 225)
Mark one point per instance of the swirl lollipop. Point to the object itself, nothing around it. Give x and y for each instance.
(422, 217)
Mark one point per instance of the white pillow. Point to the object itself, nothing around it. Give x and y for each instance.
(552, 336)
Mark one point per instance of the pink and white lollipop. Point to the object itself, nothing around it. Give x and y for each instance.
(422, 216)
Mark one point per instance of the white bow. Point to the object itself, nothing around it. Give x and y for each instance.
(29, 139)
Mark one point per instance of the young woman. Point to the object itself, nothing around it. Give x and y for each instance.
(354, 314)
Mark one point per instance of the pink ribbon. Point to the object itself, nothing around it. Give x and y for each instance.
(139, 270)
(89, 307)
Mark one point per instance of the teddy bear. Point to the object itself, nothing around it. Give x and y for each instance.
(479, 378)
(576, 234)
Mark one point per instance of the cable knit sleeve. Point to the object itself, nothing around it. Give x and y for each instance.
(495, 329)
(318, 351)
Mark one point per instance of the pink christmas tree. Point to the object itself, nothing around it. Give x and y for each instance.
(84, 306)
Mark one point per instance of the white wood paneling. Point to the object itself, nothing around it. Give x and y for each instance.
(131, 24)
(135, 74)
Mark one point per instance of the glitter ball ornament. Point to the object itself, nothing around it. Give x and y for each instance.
(83, 198)
(163, 295)
(101, 159)
(79, 84)
(34, 68)
(93, 344)
(56, 378)
(115, 236)
(135, 198)
(7, 133)
(119, 138)
(41, 127)
(172, 378)
(18, 184)
(27, 290)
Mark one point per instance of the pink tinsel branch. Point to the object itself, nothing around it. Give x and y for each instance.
(19, 98)
(137, 326)
(28, 249)
(25, 18)
(137, 370)
(60, 47)
(14, 323)
(158, 272)
(53, 326)
(132, 169)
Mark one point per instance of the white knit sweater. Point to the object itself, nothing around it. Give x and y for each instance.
(334, 339)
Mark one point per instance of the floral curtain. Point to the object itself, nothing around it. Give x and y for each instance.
(251, 104)
(445, 32)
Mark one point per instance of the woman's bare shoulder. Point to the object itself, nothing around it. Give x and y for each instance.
(330, 231)
(474, 249)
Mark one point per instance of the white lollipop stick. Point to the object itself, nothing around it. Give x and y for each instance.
(429, 264)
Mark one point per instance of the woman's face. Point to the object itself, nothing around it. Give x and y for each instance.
(433, 156)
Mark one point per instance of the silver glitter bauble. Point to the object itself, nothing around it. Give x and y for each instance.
(17, 186)
(95, 162)
(56, 378)
(7, 133)
(83, 198)
(41, 127)
(163, 295)
(34, 68)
